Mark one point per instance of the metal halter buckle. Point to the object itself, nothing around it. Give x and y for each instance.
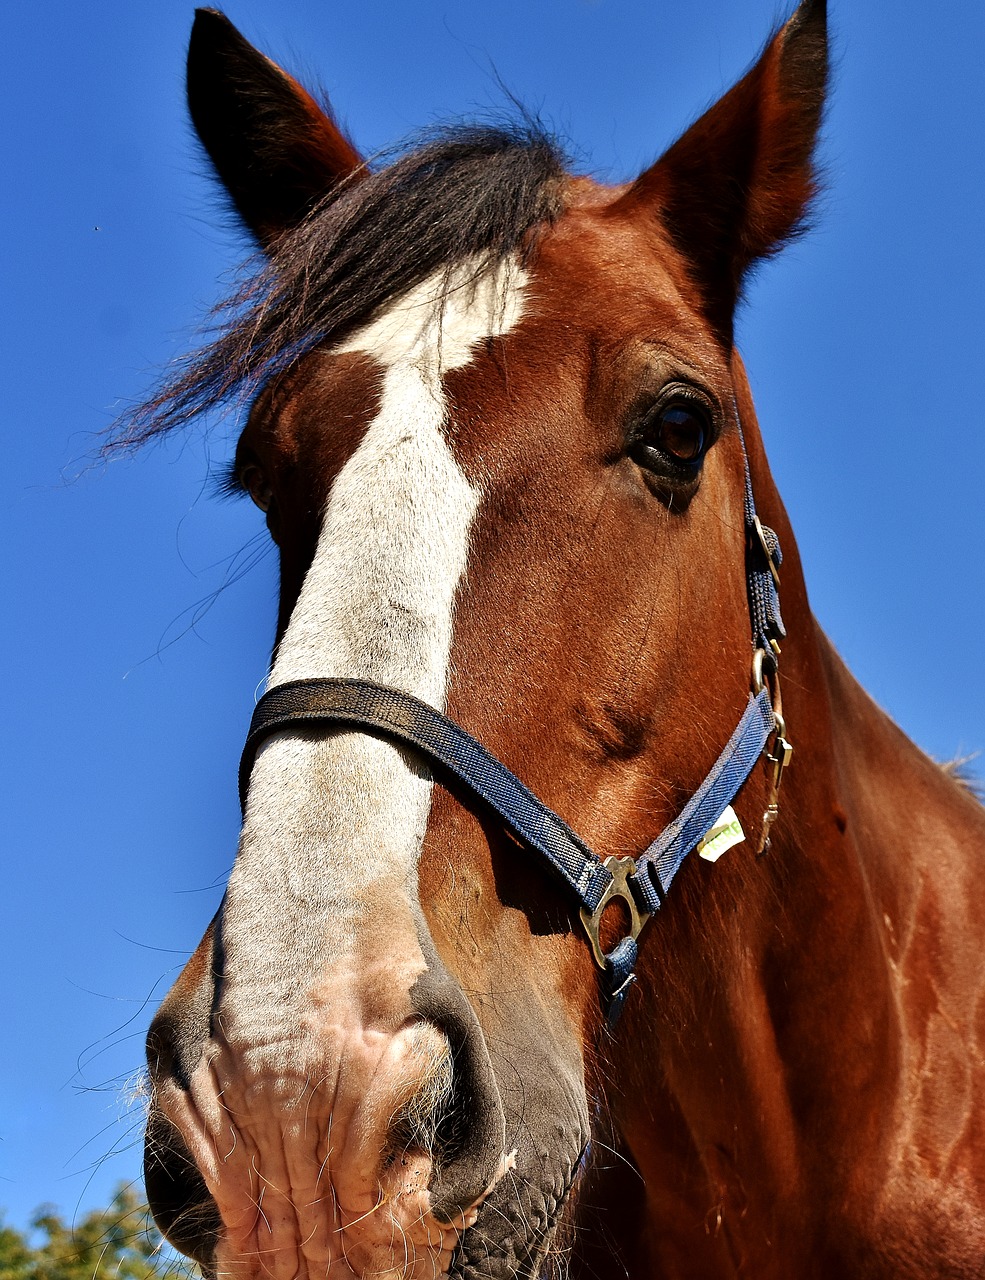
(779, 757)
(621, 869)
(770, 562)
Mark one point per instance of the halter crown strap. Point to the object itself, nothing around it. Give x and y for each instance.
(763, 560)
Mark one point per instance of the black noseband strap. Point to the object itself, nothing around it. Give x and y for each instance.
(374, 708)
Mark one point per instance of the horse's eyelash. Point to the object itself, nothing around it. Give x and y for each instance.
(228, 483)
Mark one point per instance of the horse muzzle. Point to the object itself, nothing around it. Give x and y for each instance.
(362, 1144)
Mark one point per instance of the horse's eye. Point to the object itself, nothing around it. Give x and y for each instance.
(681, 432)
(673, 438)
(253, 481)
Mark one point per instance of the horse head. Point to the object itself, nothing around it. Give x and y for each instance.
(502, 441)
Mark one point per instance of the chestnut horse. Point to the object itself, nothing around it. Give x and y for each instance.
(527, 531)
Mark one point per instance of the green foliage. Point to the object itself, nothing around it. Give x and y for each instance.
(119, 1242)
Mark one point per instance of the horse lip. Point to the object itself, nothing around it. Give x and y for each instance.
(466, 1218)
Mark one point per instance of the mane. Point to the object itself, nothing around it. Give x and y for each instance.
(962, 772)
(471, 193)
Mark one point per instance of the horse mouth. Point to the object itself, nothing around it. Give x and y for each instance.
(506, 1233)
(515, 1234)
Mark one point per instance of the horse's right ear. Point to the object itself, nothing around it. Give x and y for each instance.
(738, 183)
(274, 148)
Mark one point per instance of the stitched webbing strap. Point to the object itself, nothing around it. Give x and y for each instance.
(763, 557)
(662, 860)
(393, 714)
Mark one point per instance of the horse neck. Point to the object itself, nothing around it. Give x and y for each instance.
(773, 992)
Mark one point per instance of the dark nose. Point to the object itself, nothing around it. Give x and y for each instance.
(176, 1192)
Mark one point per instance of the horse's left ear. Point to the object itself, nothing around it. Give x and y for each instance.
(737, 185)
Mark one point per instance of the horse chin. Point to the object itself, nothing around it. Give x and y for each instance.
(517, 1226)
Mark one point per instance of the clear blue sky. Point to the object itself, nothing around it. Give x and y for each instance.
(127, 700)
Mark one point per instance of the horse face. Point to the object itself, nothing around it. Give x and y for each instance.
(513, 488)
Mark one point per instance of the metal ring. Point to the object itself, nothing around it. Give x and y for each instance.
(620, 869)
(757, 671)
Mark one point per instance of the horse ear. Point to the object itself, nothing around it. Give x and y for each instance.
(274, 148)
(737, 185)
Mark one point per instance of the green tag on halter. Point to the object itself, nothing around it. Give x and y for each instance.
(726, 832)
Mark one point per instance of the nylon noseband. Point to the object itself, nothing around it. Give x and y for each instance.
(642, 882)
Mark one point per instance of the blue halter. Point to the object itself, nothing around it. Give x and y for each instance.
(642, 883)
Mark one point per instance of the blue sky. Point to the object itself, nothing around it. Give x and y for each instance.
(130, 682)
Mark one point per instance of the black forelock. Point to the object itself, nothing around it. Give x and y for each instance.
(471, 193)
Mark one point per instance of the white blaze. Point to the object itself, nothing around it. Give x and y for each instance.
(329, 815)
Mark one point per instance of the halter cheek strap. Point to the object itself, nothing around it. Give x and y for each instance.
(642, 883)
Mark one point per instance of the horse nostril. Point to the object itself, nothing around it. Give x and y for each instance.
(176, 1192)
(425, 1122)
(181, 1026)
(163, 1062)
(465, 1117)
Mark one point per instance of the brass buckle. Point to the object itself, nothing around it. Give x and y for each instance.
(620, 869)
(761, 538)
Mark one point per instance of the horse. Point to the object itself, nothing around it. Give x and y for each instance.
(587, 918)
